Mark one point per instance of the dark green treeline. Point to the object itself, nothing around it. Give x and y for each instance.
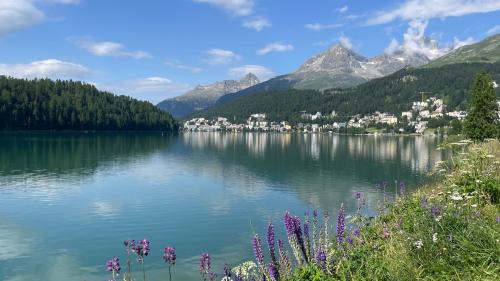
(43, 104)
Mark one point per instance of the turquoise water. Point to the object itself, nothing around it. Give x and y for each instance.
(68, 200)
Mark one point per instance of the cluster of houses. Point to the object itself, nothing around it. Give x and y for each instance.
(256, 122)
(417, 118)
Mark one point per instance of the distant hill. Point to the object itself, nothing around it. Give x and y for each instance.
(393, 93)
(486, 51)
(337, 67)
(204, 96)
(67, 105)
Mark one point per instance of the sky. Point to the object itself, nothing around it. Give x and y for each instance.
(157, 49)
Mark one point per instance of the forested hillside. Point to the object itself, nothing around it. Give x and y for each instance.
(68, 105)
(393, 93)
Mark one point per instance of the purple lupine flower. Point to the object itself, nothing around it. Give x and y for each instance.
(321, 258)
(306, 230)
(357, 195)
(289, 224)
(273, 272)
(435, 211)
(141, 249)
(257, 250)
(402, 189)
(315, 213)
(498, 219)
(281, 246)
(357, 232)
(271, 242)
(205, 264)
(349, 240)
(129, 244)
(227, 270)
(113, 265)
(341, 224)
(169, 255)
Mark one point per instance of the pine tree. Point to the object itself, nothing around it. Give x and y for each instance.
(481, 121)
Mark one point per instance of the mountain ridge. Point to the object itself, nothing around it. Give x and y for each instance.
(204, 96)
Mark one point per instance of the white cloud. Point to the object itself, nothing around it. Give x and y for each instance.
(493, 30)
(233, 7)
(18, 14)
(153, 89)
(50, 68)
(258, 23)
(393, 47)
(260, 71)
(178, 65)
(275, 47)
(415, 42)
(457, 43)
(343, 9)
(109, 49)
(428, 9)
(221, 56)
(345, 41)
(319, 26)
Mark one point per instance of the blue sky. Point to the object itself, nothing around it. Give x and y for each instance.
(155, 49)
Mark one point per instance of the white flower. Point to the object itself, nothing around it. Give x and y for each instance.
(418, 244)
(479, 181)
(474, 205)
(434, 237)
(490, 156)
(456, 197)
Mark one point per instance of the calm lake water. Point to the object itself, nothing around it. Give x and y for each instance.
(68, 200)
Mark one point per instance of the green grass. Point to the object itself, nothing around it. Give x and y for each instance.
(409, 242)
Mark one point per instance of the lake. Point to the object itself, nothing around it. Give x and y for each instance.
(68, 200)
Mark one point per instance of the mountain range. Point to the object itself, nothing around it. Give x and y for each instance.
(342, 68)
(204, 96)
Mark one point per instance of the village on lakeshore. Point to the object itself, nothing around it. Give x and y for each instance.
(423, 115)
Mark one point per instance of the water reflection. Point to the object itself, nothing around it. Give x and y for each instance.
(72, 198)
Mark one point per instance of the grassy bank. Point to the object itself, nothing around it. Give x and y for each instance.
(449, 230)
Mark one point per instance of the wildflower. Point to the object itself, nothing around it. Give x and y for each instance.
(294, 233)
(169, 255)
(273, 272)
(436, 211)
(341, 224)
(357, 195)
(271, 242)
(357, 232)
(205, 265)
(498, 219)
(418, 244)
(434, 237)
(456, 197)
(450, 237)
(257, 250)
(321, 258)
(113, 265)
(474, 205)
(129, 244)
(141, 249)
